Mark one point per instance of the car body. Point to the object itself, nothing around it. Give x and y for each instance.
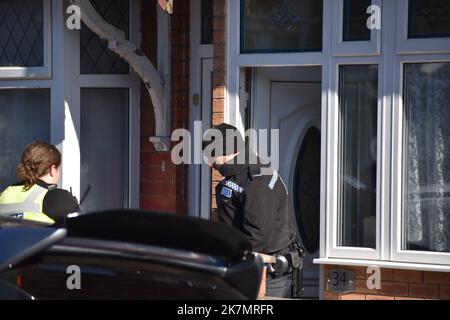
(126, 254)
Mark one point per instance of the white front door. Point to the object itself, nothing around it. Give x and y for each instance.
(289, 99)
(201, 84)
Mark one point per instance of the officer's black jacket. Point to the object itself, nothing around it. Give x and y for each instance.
(257, 205)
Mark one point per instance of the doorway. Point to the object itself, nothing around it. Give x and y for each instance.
(201, 85)
(290, 99)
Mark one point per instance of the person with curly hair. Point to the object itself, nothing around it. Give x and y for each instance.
(36, 196)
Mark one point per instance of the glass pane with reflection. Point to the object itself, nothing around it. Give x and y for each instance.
(207, 22)
(281, 26)
(104, 149)
(358, 96)
(355, 20)
(429, 19)
(24, 118)
(21, 33)
(95, 56)
(426, 198)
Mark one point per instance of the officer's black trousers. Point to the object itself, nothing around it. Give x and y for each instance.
(279, 287)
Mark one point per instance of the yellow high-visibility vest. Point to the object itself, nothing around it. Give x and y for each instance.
(26, 204)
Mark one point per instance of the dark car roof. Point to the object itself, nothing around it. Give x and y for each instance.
(173, 240)
(130, 226)
(19, 242)
(161, 229)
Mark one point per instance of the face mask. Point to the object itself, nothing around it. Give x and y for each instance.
(231, 169)
(225, 170)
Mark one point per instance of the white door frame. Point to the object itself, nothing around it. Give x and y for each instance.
(74, 82)
(233, 113)
(201, 57)
(396, 50)
(263, 117)
(65, 84)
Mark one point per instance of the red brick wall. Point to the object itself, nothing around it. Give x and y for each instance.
(163, 186)
(219, 78)
(395, 285)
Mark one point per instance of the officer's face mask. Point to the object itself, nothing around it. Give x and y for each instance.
(228, 169)
(223, 170)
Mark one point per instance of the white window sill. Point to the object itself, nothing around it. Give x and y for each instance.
(383, 264)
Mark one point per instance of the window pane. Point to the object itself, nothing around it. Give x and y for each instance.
(21, 35)
(207, 22)
(24, 118)
(429, 18)
(355, 20)
(281, 26)
(104, 149)
(95, 56)
(358, 157)
(427, 157)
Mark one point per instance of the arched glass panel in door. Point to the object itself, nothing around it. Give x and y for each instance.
(307, 190)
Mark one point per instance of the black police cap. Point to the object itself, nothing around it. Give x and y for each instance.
(225, 130)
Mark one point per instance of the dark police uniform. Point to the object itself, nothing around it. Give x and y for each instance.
(258, 206)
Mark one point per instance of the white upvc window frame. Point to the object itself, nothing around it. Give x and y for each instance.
(77, 82)
(333, 160)
(65, 86)
(238, 60)
(16, 79)
(234, 108)
(353, 48)
(45, 71)
(416, 46)
(391, 171)
(330, 83)
(398, 254)
(388, 61)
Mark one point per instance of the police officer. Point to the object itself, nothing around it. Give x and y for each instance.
(36, 197)
(253, 199)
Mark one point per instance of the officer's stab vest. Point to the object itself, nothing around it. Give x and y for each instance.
(26, 204)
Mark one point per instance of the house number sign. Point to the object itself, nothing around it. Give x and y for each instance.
(341, 281)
